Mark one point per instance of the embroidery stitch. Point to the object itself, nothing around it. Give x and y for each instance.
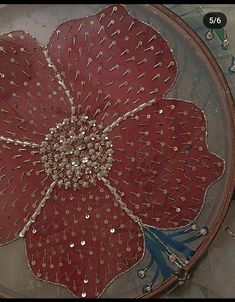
(155, 161)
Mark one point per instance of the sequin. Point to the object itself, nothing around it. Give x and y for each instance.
(71, 156)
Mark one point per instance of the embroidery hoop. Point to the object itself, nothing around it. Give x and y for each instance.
(169, 284)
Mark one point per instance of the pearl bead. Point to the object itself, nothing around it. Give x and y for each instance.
(141, 274)
(203, 231)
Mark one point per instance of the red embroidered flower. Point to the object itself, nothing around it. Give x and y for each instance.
(90, 150)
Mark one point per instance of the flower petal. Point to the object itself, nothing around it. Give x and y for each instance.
(162, 163)
(83, 241)
(20, 188)
(31, 99)
(111, 61)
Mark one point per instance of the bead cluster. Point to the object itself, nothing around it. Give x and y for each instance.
(76, 153)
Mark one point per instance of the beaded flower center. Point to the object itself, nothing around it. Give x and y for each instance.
(76, 153)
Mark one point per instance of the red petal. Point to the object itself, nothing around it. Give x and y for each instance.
(100, 74)
(83, 235)
(30, 97)
(162, 163)
(20, 188)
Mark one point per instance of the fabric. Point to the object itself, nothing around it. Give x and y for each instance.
(92, 150)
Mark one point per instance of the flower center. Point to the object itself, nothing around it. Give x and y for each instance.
(76, 153)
